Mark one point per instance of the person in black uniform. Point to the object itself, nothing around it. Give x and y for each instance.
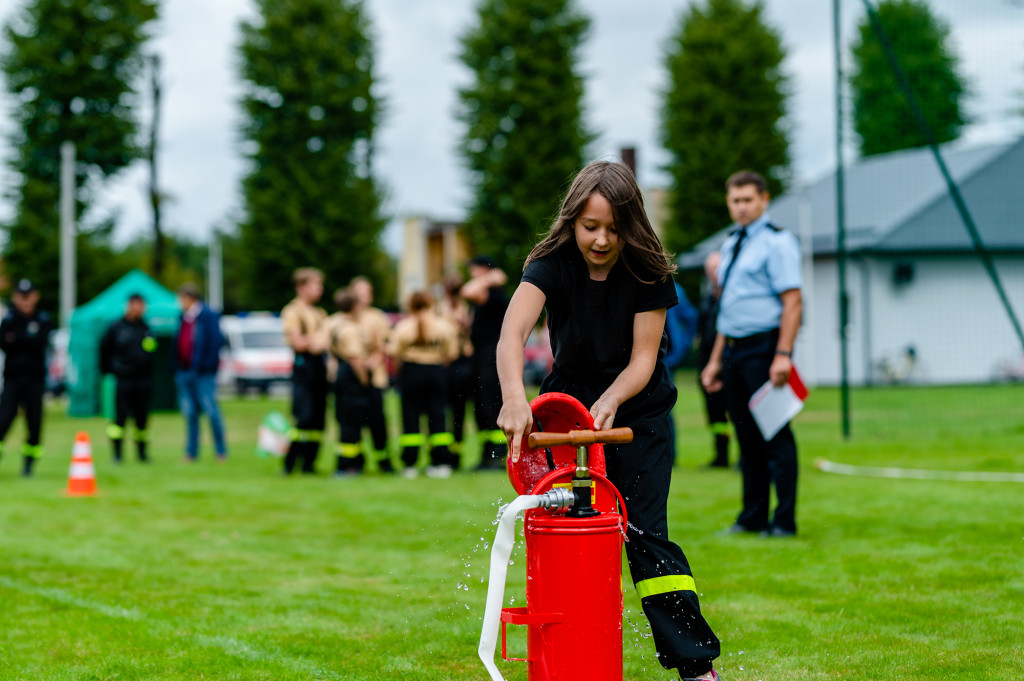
(24, 336)
(485, 290)
(302, 322)
(126, 351)
(714, 402)
(605, 281)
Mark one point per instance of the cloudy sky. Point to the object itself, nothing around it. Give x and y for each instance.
(417, 44)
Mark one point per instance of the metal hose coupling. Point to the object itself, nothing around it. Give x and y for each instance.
(559, 498)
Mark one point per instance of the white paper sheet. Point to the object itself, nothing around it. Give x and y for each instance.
(772, 408)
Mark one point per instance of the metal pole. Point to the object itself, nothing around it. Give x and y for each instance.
(216, 275)
(68, 289)
(844, 380)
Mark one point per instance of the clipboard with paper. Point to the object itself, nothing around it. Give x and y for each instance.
(773, 407)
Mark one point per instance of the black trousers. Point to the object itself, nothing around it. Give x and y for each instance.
(487, 401)
(745, 366)
(28, 394)
(376, 421)
(422, 387)
(351, 403)
(132, 399)
(642, 472)
(309, 408)
(458, 389)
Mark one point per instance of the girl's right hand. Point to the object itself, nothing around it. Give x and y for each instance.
(515, 420)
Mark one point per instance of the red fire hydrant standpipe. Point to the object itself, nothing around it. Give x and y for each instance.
(574, 555)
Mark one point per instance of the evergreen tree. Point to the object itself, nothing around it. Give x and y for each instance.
(310, 113)
(882, 115)
(524, 132)
(71, 66)
(723, 111)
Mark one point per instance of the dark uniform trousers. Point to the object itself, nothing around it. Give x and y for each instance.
(745, 366)
(309, 407)
(642, 472)
(27, 393)
(351, 408)
(132, 398)
(458, 388)
(422, 387)
(487, 403)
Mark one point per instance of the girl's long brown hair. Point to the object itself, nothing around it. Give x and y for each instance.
(419, 301)
(640, 250)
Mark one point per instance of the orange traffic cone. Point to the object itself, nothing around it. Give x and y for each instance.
(82, 476)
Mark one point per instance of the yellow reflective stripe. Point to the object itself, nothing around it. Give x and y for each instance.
(349, 450)
(411, 440)
(115, 432)
(149, 344)
(32, 451)
(720, 427)
(663, 585)
(296, 435)
(438, 439)
(493, 436)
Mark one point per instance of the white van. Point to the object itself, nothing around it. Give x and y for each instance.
(255, 354)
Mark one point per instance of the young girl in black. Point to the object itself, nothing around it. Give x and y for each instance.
(604, 279)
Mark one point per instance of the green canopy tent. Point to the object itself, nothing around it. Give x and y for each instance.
(90, 321)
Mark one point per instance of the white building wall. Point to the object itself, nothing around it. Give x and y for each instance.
(949, 312)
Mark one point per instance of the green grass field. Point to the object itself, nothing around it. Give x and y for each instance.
(228, 571)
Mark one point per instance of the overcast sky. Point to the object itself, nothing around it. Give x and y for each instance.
(417, 45)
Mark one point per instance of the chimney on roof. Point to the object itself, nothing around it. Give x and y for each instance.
(629, 158)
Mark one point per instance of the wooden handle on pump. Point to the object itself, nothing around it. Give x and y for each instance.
(578, 438)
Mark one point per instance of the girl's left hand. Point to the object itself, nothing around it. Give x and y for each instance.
(603, 412)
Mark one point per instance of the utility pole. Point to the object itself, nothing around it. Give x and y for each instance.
(159, 247)
(68, 269)
(844, 380)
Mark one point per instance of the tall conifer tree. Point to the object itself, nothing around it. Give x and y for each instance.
(310, 115)
(882, 115)
(72, 67)
(523, 115)
(723, 111)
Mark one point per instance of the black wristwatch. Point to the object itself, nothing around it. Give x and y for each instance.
(784, 353)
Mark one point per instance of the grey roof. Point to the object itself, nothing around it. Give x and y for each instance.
(899, 202)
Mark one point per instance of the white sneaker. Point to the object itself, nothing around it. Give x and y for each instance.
(411, 472)
(440, 472)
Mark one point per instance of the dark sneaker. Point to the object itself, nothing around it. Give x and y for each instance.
(778, 532)
(385, 466)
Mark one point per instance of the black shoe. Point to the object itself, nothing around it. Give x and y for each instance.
(715, 464)
(26, 469)
(778, 532)
(385, 466)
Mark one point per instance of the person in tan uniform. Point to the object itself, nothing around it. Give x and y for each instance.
(423, 343)
(302, 321)
(458, 374)
(375, 327)
(345, 342)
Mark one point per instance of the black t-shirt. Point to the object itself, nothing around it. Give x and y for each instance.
(487, 318)
(591, 326)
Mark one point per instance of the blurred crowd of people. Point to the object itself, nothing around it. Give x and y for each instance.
(441, 357)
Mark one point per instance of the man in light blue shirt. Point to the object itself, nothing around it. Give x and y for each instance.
(758, 318)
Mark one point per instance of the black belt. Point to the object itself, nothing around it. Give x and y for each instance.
(750, 340)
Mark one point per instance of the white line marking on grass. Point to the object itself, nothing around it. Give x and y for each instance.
(65, 598)
(827, 466)
(226, 644)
